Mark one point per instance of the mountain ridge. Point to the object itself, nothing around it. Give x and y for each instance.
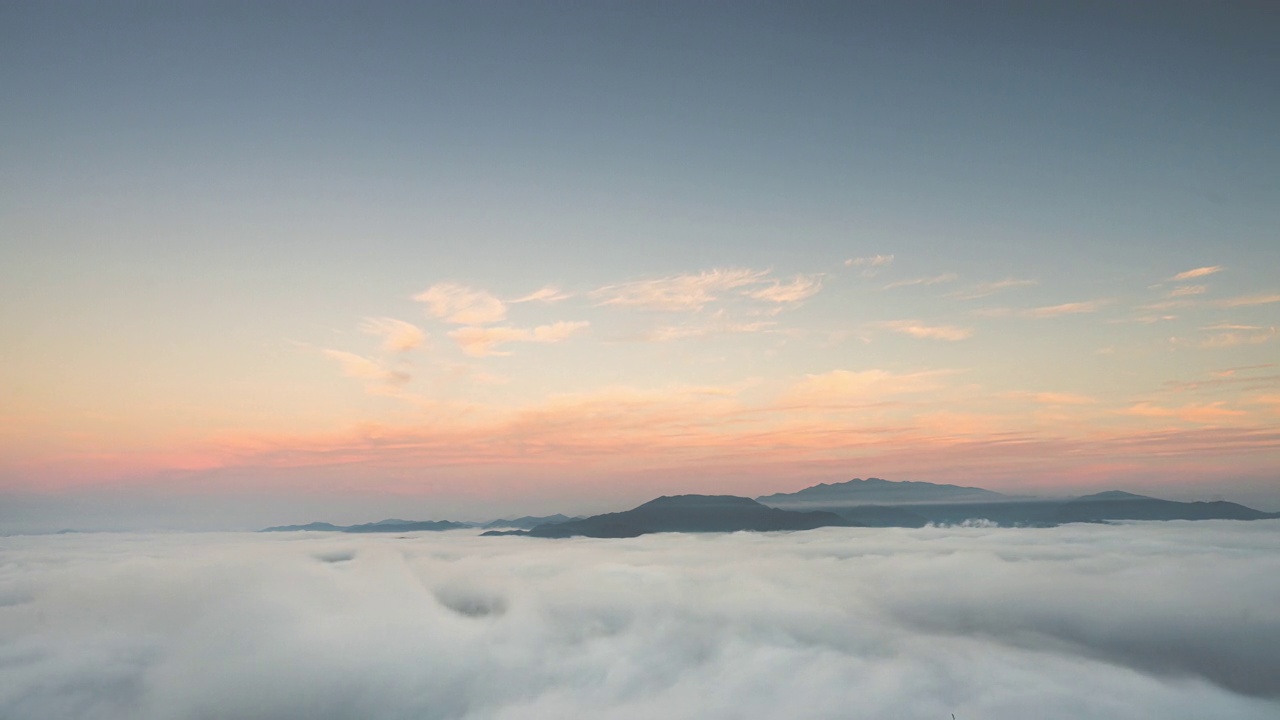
(841, 504)
(686, 513)
(876, 491)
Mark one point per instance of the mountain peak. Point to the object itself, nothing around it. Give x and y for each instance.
(699, 501)
(1114, 495)
(876, 491)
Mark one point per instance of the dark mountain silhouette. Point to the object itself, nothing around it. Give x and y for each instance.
(528, 522)
(382, 526)
(848, 504)
(874, 491)
(318, 526)
(1117, 505)
(686, 513)
(954, 505)
(881, 516)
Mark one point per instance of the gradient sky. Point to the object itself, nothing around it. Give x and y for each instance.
(263, 261)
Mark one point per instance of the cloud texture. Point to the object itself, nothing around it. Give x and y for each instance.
(1168, 620)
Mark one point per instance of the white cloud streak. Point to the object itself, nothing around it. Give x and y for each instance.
(462, 305)
(991, 288)
(1047, 311)
(678, 293)
(870, 261)
(871, 265)
(1245, 336)
(482, 341)
(547, 294)
(397, 335)
(983, 623)
(1248, 300)
(917, 329)
(867, 385)
(1196, 273)
(800, 288)
(1054, 398)
(358, 366)
(669, 333)
(934, 280)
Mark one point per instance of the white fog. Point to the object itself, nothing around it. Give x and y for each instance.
(1142, 620)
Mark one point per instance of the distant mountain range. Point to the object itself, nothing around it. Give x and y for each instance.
(874, 491)
(382, 526)
(686, 513)
(528, 522)
(394, 525)
(857, 503)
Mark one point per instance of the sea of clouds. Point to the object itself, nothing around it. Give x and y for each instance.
(1140, 620)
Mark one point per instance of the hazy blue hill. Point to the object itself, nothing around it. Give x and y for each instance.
(317, 526)
(407, 526)
(881, 516)
(1117, 505)
(847, 504)
(687, 513)
(382, 526)
(883, 503)
(1109, 495)
(528, 522)
(874, 491)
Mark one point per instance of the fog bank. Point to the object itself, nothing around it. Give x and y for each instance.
(1168, 620)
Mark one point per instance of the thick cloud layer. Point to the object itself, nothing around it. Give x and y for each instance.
(1167, 620)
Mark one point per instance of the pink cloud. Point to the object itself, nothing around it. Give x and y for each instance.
(1248, 300)
(678, 293)
(1201, 413)
(1196, 273)
(917, 329)
(358, 366)
(462, 305)
(800, 288)
(397, 335)
(547, 294)
(481, 341)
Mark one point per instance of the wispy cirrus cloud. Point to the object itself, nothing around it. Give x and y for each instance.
(546, 294)
(991, 288)
(932, 280)
(917, 329)
(870, 261)
(1046, 311)
(866, 385)
(358, 366)
(1054, 398)
(799, 288)
(1199, 413)
(462, 305)
(669, 333)
(481, 341)
(397, 335)
(1247, 300)
(1240, 335)
(871, 265)
(1076, 308)
(678, 293)
(1232, 326)
(1167, 305)
(1187, 290)
(1145, 319)
(1196, 273)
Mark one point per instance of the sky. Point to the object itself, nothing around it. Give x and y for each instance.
(277, 262)
(857, 623)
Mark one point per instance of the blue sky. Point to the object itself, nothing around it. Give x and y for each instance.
(210, 209)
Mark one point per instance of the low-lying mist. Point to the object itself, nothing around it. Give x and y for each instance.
(1163, 620)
